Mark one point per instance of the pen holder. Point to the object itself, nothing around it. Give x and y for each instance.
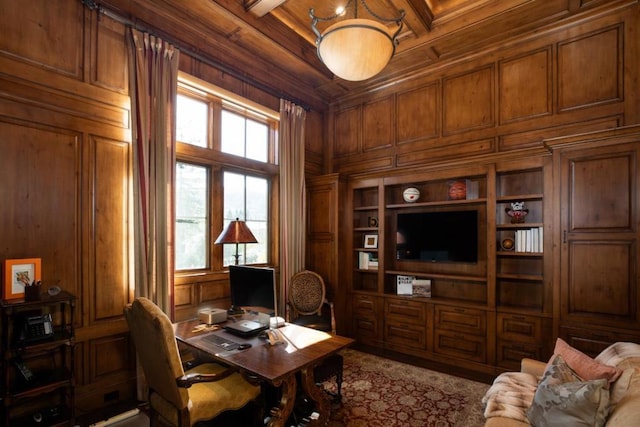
(32, 292)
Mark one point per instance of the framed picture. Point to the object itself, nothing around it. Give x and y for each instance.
(19, 273)
(371, 241)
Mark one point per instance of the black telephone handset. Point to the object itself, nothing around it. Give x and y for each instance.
(37, 327)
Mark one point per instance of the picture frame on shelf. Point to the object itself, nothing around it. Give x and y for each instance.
(19, 273)
(371, 241)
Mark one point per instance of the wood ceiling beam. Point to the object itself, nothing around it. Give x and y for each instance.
(421, 10)
(261, 7)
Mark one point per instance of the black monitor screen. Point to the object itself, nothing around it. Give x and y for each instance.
(438, 236)
(252, 286)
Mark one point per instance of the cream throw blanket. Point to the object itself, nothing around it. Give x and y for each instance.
(510, 396)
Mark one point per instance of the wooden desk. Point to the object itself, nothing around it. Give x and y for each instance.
(304, 349)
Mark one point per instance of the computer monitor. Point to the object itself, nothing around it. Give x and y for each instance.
(252, 286)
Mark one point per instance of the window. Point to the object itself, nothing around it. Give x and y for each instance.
(225, 170)
(244, 137)
(191, 121)
(246, 197)
(192, 216)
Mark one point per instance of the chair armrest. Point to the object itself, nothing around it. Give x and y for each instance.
(188, 380)
(333, 316)
(532, 366)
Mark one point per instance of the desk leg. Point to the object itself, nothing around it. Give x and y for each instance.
(316, 394)
(280, 413)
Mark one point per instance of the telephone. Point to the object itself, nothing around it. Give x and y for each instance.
(36, 327)
(275, 337)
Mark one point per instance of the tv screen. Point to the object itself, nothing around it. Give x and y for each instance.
(252, 286)
(438, 236)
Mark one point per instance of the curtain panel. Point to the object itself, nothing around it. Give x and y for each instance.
(153, 82)
(292, 195)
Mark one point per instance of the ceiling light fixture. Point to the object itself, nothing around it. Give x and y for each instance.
(356, 49)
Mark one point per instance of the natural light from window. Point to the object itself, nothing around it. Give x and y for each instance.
(244, 137)
(246, 198)
(191, 216)
(224, 170)
(191, 121)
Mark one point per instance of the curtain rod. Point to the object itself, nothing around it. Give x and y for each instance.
(93, 5)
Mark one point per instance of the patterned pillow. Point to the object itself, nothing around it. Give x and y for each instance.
(562, 399)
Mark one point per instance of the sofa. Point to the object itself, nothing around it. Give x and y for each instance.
(571, 389)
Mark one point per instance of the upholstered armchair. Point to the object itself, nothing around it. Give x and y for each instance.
(308, 306)
(181, 398)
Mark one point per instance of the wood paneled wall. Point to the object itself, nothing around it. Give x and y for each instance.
(560, 81)
(65, 176)
(66, 144)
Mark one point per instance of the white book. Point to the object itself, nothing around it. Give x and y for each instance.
(363, 260)
(404, 285)
(535, 241)
(541, 238)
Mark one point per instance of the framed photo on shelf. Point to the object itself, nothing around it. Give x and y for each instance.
(19, 273)
(371, 241)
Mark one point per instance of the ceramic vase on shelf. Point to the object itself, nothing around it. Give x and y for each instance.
(517, 212)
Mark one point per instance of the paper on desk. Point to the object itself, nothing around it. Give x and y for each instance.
(298, 338)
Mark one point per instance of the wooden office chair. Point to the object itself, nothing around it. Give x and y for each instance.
(308, 307)
(181, 398)
(307, 303)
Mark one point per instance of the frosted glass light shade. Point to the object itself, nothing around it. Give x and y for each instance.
(356, 49)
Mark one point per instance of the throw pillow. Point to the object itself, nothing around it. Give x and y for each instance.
(563, 399)
(586, 367)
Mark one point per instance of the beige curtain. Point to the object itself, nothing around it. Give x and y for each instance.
(292, 195)
(153, 80)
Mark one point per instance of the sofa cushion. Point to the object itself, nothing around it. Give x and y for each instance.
(564, 399)
(626, 411)
(618, 353)
(586, 367)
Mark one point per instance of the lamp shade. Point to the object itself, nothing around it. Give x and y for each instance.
(356, 49)
(236, 232)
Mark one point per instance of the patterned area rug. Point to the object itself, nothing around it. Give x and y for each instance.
(378, 392)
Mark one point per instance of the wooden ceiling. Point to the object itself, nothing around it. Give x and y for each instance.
(270, 42)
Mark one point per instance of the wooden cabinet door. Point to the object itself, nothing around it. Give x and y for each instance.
(599, 234)
(324, 216)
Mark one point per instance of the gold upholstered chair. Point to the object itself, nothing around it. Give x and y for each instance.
(308, 306)
(181, 398)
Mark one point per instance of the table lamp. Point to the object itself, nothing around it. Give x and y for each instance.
(236, 232)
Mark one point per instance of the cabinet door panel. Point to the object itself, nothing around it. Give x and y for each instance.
(599, 255)
(407, 311)
(465, 346)
(599, 192)
(461, 319)
(404, 335)
(518, 327)
(593, 341)
(510, 354)
(365, 329)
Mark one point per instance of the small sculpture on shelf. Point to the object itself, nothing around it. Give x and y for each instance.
(517, 212)
(507, 244)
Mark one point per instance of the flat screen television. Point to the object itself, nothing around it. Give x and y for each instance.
(443, 236)
(252, 286)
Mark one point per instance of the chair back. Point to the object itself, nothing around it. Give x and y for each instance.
(155, 342)
(306, 292)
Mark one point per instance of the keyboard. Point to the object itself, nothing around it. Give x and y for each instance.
(221, 342)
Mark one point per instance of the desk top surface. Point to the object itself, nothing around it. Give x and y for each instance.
(302, 347)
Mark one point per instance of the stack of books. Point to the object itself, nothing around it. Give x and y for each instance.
(529, 240)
